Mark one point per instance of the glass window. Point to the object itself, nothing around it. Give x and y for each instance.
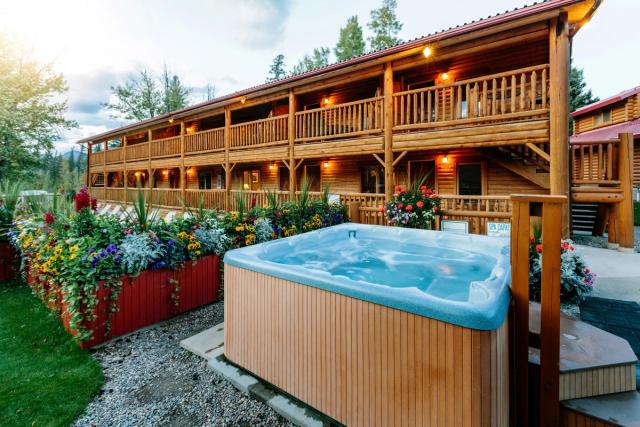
(251, 180)
(606, 116)
(204, 180)
(312, 173)
(470, 179)
(372, 179)
(283, 178)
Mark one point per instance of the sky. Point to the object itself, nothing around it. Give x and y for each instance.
(230, 44)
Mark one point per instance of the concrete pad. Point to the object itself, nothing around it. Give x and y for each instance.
(611, 264)
(207, 344)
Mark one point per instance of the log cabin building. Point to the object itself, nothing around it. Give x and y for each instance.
(481, 110)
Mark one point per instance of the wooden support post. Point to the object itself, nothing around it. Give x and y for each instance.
(520, 226)
(150, 179)
(550, 315)
(292, 138)
(625, 208)
(105, 144)
(227, 165)
(354, 211)
(559, 112)
(388, 131)
(88, 177)
(125, 176)
(183, 176)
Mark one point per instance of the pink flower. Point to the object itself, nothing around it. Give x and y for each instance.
(420, 203)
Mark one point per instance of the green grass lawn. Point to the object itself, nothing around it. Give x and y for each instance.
(45, 379)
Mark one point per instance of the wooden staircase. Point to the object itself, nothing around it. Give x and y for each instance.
(597, 374)
(530, 161)
(584, 217)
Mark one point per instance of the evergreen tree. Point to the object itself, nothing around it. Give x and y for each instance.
(71, 159)
(277, 69)
(385, 26)
(175, 94)
(319, 58)
(579, 94)
(31, 110)
(351, 42)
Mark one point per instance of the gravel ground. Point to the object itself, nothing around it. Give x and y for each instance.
(601, 242)
(151, 381)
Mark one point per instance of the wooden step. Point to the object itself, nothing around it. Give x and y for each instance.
(620, 409)
(593, 362)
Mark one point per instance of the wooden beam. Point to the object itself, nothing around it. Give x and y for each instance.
(286, 163)
(299, 163)
(379, 159)
(559, 112)
(540, 152)
(625, 176)
(527, 172)
(227, 168)
(397, 160)
(388, 131)
(292, 140)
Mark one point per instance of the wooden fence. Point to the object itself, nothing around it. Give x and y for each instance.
(208, 140)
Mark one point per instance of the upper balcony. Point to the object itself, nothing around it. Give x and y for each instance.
(501, 108)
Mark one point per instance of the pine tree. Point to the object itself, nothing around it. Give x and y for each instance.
(319, 58)
(277, 69)
(175, 94)
(579, 94)
(351, 42)
(385, 26)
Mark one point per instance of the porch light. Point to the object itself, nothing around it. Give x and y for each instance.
(243, 100)
(137, 173)
(326, 101)
(445, 159)
(325, 164)
(171, 120)
(165, 172)
(444, 76)
(271, 166)
(427, 52)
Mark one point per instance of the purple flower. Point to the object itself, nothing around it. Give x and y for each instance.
(111, 248)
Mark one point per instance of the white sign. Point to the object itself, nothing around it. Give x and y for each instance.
(458, 227)
(498, 229)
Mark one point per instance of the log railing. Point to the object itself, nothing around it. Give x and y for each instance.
(97, 158)
(169, 197)
(114, 155)
(165, 147)
(209, 199)
(98, 193)
(593, 163)
(271, 131)
(476, 210)
(339, 121)
(506, 95)
(114, 194)
(138, 151)
(548, 387)
(208, 140)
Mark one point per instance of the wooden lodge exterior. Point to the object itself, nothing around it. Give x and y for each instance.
(480, 109)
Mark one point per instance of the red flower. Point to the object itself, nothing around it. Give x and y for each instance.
(409, 208)
(435, 209)
(398, 188)
(94, 204)
(48, 218)
(539, 248)
(381, 209)
(400, 205)
(532, 239)
(420, 203)
(587, 271)
(82, 199)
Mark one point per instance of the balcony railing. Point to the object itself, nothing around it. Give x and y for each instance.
(271, 131)
(593, 163)
(208, 140)
(504, 95)
(114, 155)
(340, 121)
(165, 147)
(210, 199)
(138, 151)
(97, 158)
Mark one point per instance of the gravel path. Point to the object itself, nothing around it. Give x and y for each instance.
(151, 380)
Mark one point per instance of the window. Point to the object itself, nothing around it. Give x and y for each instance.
(423, 170)
(251, 180)
(312, 173)
(283, 178)
(220, 181)
(470, 179)
(372, 179)
(602, 117)
(606, 116)
(204, 180)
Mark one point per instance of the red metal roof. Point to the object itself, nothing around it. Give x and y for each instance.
(609, 132)
(609, 101)
(517, 13)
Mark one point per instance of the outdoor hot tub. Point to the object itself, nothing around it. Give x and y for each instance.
(376, 325)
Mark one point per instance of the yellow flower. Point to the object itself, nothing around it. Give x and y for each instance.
(198, 252)
(73, 248)
(73, 256)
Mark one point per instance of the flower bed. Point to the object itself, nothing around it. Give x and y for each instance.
(106, 276)
(415, 207)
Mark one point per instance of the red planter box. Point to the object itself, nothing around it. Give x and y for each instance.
(7, 262)
(150, 298)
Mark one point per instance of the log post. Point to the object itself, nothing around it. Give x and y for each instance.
(227, 164)
(88, 177)
(559, 113)
(625, 208)
(125, 175)
(388, 131)
(149, 180)
(105, 179)
(292, 138)
(183, 176)
(354, 211)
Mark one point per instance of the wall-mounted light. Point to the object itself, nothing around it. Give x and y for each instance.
(325, 165)
(444, 160)
(137, 174)
(165, 172)
(171, 120)
(427, 52)
(326, 101)
(243, 100)
(444, 76)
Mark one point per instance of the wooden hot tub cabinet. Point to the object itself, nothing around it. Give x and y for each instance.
(361, 363)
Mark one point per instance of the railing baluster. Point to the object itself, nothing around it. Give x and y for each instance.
(514, 91)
